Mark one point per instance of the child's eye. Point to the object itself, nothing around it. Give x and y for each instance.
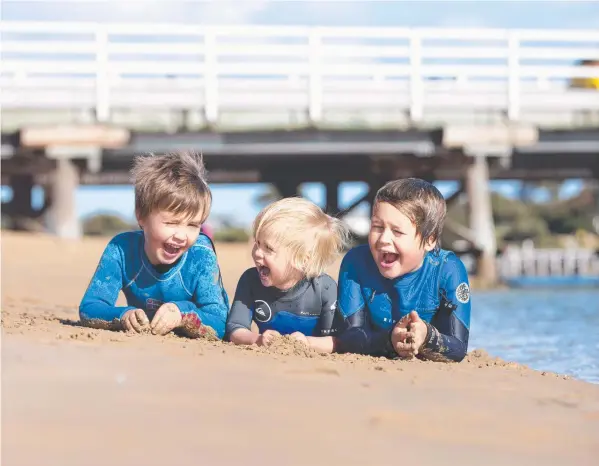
(377, 227)
(397, 232)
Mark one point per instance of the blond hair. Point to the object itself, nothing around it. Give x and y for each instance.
(421, 202)
(174, 182)
(313, 238)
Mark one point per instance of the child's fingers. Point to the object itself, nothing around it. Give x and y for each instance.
(126, 324)
(268, 340)
(404, 322)
(404, 346)
(141, 317)
(133, 323)
(402, 334)
(160, 326)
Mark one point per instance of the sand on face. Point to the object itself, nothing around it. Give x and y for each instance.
(74, 395)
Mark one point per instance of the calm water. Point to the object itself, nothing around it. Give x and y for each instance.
(554, 330)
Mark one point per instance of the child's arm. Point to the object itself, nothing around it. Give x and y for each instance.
(209, 305)
(324, 342)
(98, 303)
(448, 331)
(240, 318)
(358, 336)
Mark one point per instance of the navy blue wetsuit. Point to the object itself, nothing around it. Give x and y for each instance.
(309, 307)
(193, 283)
(371, 305)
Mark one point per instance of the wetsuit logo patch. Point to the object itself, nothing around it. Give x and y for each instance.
(262, 312)
(153, 304)
(462, 293)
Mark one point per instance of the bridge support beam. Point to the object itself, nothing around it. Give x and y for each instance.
(62, 216)
(19, 208)
(332, 197)
(481, 219)
(287, 188)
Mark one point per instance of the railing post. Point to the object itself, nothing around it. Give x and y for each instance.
(513, 89)
(315, 77)
(102, 77)
(210, 77)
(416, 80)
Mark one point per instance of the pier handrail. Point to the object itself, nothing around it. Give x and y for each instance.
(314, 70)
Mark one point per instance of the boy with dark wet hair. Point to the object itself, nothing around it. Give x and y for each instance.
(402, 295)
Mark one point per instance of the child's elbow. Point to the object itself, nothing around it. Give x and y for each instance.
(459, 357)
(83, 311)
(458, 353)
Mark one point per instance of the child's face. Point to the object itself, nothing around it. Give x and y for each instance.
(394, 243)
(274, 264)
(168, 236)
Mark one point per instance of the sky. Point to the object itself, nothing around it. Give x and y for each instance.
(237, 201)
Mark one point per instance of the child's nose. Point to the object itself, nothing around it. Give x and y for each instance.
(257, 252)
(180, 234)
(385, 237)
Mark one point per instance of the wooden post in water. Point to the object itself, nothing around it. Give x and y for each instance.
(62, 219)
(481, 218)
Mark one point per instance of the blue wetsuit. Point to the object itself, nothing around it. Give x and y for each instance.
(371, 305)
(309, 307)
(193, 283)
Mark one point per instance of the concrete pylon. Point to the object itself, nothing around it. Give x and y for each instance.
(332, 197)
(62, 217)
(481, 218)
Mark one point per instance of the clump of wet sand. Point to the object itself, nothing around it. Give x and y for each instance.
(284, 345)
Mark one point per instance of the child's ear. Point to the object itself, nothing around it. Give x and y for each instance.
(430, 244)
(140, 220)
(304, 263)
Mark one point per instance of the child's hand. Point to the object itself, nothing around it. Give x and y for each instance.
(299, 336)
(408, 335)
(418, 330)
(167, 318)
(134, 320)
(267, 338)
(401, 337)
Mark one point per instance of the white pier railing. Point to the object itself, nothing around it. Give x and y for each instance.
(532, 262)
(420, 75)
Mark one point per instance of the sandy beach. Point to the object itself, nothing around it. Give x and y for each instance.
(78, 396)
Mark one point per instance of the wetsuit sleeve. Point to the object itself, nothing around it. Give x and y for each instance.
(209, 305)
(357, 334)
(98, 302)
(449, 329)
(328, 322)
(241, 310)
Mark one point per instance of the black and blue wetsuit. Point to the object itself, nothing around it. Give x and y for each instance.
(309, 307)
(371, 304)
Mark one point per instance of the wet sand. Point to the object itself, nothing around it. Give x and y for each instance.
(78, 396)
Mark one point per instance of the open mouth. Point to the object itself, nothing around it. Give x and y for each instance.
(171, 249)
(388, 259)
(263, 272)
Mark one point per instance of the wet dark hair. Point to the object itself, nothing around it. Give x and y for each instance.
(421, 202)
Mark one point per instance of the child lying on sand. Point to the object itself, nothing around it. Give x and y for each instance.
(401, 295)
(168, 271)
(287, 292)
